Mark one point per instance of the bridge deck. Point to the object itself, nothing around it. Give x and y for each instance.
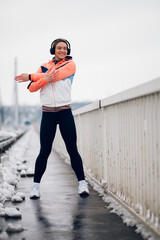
(60, 214)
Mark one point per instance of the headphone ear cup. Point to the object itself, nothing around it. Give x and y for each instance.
(68, 51)
(52, 51)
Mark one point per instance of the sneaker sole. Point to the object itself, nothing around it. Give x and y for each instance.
(34, 197)
(84, 194)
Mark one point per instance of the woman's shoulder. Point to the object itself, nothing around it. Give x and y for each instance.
(70, 60)
(48, 64)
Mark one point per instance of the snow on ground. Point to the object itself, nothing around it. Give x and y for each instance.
(10, 132)
(12, 229)
(15, 161)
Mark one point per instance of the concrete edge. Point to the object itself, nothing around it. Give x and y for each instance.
(90, 107)
(133, 93)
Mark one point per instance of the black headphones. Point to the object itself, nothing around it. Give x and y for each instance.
(53, 45)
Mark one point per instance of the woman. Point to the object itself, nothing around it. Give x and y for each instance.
(54, 80)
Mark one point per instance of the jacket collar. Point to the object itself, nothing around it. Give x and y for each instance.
(61, 61)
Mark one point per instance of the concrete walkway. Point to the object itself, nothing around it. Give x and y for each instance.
(60, 214)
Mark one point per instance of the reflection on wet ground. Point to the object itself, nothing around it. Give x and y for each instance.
(60, 214)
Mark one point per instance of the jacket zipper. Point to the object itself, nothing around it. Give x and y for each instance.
(54, 99)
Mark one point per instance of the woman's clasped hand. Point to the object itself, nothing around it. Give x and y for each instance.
(51, 75)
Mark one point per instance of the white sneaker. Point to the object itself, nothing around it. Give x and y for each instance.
(83, 190)
(35, 192)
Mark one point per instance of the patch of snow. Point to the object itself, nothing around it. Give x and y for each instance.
(10, 188)
(3, 236)
(22, 167)
(139, 209)
(16, 199)
(7, 132)
(23, 173)
(14, 228)
(1, 205)
(9, 173)
(148, 214)
(17, 157)
(30, 172)
(2, 212)
(156, 222)
(12, 212)
(21, 194)
(6, 193)
(2, 198)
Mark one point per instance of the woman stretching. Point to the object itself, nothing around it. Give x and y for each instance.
(54, 80)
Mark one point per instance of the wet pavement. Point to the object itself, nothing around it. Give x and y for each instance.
(60, 214)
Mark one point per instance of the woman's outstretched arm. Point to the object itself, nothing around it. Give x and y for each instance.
(24, 77)
(41, 79)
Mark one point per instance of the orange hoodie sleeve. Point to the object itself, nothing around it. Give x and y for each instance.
(37, 80)
(35, 86)
(65, 70)
(36, 76)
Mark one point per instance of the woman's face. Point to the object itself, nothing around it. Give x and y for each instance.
(60, 51)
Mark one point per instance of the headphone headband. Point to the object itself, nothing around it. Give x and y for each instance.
(53, 45)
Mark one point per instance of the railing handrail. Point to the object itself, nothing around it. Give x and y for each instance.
(144, 89)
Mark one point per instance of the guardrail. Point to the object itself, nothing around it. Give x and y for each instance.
(3, 138)
(119, 141)
(6, 143)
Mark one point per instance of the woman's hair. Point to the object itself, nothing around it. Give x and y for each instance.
(55, 42)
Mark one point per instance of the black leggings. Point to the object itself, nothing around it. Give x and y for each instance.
(47, 133)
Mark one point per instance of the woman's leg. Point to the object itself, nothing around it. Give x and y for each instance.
(47, 134)
(68, 132)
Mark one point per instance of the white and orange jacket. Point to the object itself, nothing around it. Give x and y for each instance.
(56, 93)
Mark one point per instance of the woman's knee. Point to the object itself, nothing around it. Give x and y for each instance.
(45, 152)
(71, 148)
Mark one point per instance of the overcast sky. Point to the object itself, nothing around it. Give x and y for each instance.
(115, 43)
